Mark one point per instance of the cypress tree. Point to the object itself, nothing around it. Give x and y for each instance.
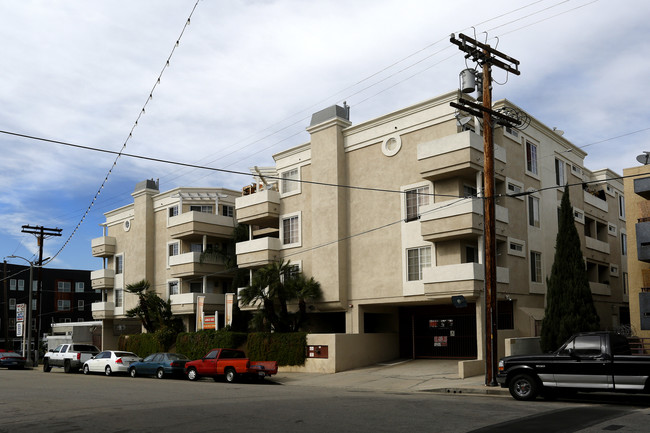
(569, 304)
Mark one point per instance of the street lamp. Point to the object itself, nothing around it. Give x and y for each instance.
(28, 322)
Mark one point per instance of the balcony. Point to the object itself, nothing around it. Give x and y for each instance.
(642, 187)
(458, 219)
(258, 252)
(261, 208)
(643, 240)
(194, 223)
(103, 247)
(103, 310)
(185, 303)
(190, 265)
(600, 289)
(595, 244)
(102, 279)
(595, 201)
(457, 155)
(461, 279)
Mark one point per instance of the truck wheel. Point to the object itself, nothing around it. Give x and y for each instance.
(132, 372)
(523, 387)
(160, 373)
(108, 370)
(192, 374)
(46, 366)
(231, 375)
(66, 366)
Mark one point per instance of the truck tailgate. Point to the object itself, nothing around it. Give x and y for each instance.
(268, 367)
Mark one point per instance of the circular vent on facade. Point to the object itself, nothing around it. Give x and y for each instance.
(391, 146)
(127, 225)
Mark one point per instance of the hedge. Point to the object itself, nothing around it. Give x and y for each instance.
(140, 344)
(286, 348)
(195, 345)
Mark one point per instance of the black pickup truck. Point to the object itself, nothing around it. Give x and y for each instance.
(594, 361)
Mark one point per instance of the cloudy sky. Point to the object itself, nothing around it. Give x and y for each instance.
(246, 76)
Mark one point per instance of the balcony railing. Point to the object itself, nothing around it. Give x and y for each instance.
(103, 310)
(257, 252)
(597, 245)
(190, 264)
(595, 201)
(102, 279)
(459, 279)
(200, 223)
(261, 208)
(185, 303)
(103, 246)
(456, 154)
(449, 219)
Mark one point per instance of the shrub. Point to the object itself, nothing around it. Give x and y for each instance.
(286, 348)
(140, 344)
(195, 345)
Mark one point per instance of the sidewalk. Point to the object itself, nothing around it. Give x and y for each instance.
(420, 375)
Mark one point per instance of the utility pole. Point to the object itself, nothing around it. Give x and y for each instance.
(41, 234)
(486, 56)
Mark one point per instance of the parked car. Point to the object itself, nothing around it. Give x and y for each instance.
(587, 362)
(110, 361)
(69, 356)
(11, 360)
(230, 364)
(160, 364)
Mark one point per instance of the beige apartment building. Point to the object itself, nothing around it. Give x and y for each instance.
(161, 238)
(387, 216)
(637, 193)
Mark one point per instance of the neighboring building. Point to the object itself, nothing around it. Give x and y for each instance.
(390, 260)
(66, 296)
(637, 207)
(161, 238)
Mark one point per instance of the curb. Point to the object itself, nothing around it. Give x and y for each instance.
(471, 391)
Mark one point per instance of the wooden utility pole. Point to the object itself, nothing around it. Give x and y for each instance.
(41, 233)
(486, 56)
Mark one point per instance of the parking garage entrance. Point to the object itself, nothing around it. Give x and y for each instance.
(438, 331)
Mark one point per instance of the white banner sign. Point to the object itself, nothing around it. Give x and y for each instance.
(19, 329)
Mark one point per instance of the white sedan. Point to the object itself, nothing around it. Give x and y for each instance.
(109, 362)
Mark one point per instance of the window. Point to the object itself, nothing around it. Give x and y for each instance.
(626, 286)
(531, 157)
(34, 285)
(173, 288)
(505, 315)
(119, 264)
(21, 285)
(63, 305)
(559, 172)
(621, 206)
(516, 247)
(79, 287)
(34, 304)
(290, 230)
(533, 211)
(415, 198)
(173, 249)
(469, 191)
(623, 244)
(201, 208)
(512, 131)
(514, 188)
(12, 323)
(227, 210)
(173, 211)
(12, 284)
(611, 229)
(535, 267)
(471, 254)
(417, 259)
(195, 248)
(64, 286)
(12, 304)
(80, 305)
(119, 298)
(289, 181)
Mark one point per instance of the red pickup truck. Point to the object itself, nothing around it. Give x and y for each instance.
(231, 364)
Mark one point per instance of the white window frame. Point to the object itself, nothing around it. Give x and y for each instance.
(532, 160)
(177, 249)
(612, 229)
(422, 198)
(119, 259)
(298, 241)
(228, 210)
(578, 216)
(172, 211)
(61, 305)
(12, 304)
(21, 285)
(421, 264)
(539, 269)
(519, 252)
(560, 172)
(290, 182)
(118, 297)
(80, 305)
(203, 208)
(613, 270)
(532, 200)
(518, 188)
(13, 284)
(34, 304)
(79, 287)
(64, 287)
(170, 284)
